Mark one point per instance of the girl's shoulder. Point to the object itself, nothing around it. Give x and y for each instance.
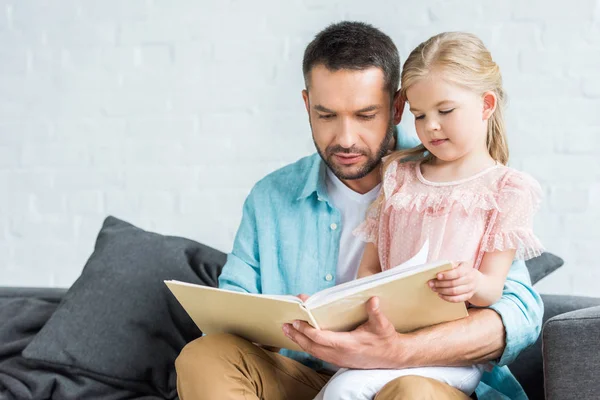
(514, 186)
(510, 179)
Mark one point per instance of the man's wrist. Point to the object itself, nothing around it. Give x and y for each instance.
(402, 352)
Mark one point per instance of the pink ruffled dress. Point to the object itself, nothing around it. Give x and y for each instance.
(462, 220)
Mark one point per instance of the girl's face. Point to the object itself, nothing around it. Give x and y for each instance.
(451, 121)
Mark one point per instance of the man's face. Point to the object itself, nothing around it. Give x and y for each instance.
(351, 119)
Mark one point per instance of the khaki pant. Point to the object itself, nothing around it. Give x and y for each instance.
(226, 367)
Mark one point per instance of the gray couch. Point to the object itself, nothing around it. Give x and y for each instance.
(116, 332)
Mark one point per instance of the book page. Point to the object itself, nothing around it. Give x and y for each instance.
(415, 264)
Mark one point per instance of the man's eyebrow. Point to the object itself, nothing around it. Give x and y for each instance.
(437, 105)
(374, 107)
(321, 108)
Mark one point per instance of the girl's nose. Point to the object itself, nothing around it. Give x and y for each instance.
(433, 125)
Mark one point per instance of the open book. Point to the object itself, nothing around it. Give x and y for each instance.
(405, 299)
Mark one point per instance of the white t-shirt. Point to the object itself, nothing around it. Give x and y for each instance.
(353, 207)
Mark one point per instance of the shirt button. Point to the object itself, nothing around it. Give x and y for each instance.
(333, 226)
(328, 277)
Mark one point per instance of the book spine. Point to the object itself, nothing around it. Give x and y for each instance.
(312, 319)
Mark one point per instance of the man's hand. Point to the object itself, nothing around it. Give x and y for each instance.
(458, 284)
(367, 347)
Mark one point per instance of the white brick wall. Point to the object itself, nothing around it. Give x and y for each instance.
(165, 112)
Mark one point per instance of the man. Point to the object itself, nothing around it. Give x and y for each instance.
(296, 237)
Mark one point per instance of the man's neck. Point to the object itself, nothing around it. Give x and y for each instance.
(365, 184)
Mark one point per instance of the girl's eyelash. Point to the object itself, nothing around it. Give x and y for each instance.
(441, 112)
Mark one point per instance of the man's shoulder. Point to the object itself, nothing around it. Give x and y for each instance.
(288, 180)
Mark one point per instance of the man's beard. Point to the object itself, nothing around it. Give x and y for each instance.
(371, 163)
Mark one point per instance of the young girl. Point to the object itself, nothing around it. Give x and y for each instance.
(454, 191)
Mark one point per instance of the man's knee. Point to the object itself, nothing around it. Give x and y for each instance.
(207, 350)
(409, 387)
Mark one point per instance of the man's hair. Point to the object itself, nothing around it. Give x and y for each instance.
(355, 46)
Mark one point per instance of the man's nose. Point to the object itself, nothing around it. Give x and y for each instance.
(347, 134)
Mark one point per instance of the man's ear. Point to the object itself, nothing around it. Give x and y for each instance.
(306, 103)
(398, 107)
(490, 100)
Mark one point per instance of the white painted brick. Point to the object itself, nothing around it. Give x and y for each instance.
(580, 140)
(550, 12)
(569, 198)
(591, 87)
(46, 229)
(559, 282)
(91, 179)
(577, 61)
(14, 203)
(585, 280)
(497, 11)
(157, 56)
(162, 127)
(585, 251)
(47, 202)
(111, 10)
(583, 225)
(86, 203)
(131, 103)
(86, 230)
(449, 12)
(16, 273)
(87, 130)
(563, 168)
(157, 203)
(533, 86)
(157, 178)
(9, 156)
(51, 155)
(82, 33)
(521, 35)
(121, 203)
(580, 35)
(23, 181)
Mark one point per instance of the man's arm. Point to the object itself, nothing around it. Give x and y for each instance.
(496, 334)
(242, 269)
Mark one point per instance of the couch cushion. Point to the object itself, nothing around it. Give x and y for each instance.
(118, 322)
(543, 265)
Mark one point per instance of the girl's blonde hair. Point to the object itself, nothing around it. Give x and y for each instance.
(464, 60)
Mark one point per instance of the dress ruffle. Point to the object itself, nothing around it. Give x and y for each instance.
(367, 230)
(435, 201)
(439, 202)
(526, 244)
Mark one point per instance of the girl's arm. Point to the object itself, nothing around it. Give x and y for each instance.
(369, 264)
(493, 271)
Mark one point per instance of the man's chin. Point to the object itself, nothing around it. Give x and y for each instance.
(349, 172)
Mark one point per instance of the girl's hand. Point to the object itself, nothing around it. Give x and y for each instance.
(457, 284)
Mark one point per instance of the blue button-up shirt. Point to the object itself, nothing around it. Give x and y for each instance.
(285, 245)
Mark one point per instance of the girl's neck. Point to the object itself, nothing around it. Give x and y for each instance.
(464, 167)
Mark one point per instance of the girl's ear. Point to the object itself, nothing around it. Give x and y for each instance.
(489, 104)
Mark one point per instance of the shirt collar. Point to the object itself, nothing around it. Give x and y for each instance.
(315, 180)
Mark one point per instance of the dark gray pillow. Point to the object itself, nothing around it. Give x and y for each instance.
(543, 265)
(119, 323)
